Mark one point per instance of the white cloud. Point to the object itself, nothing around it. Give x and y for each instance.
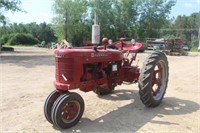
(188, 5)
(191, 4)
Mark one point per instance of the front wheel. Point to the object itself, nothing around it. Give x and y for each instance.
(153, 79)
(49, 104)
(67, 110)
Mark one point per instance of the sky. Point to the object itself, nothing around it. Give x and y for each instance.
(41, 10)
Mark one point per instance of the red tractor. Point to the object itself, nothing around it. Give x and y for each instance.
(101, 69)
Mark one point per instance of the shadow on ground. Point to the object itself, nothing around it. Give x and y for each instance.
(132, 117)
(28, 61)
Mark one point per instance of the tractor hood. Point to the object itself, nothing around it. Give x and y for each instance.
(89, 55)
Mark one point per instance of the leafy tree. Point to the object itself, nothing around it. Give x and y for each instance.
(126, 16)
(187, 27)
(69, 22)
(105, 14)
(117, 18)
(34, 29)
(41, 32)
(21, 38)
(153, 15)
(6, 5)
(46, 33)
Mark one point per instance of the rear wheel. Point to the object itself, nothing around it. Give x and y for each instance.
(67, 110)
(49, 103)
(153, 79)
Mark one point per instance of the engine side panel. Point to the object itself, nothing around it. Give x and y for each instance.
(71, 65)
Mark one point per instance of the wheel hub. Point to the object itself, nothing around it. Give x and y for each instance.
(70, 111)
(158, 80)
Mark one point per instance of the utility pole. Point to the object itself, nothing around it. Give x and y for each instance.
(199, 39)
(0, 46)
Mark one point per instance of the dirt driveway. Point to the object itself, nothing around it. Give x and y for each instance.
(27, 78)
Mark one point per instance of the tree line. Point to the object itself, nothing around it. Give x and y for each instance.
(184, 27)
(31, 33)
(137, 19)
(117, 18)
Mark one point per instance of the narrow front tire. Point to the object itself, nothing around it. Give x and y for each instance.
(49, 104)
(67, 110)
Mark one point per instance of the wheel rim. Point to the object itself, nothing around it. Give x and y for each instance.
(159, 80)
(70, 111)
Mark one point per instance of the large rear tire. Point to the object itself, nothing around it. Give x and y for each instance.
(153, 79)
(67, 110)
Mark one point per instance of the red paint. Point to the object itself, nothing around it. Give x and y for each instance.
(86, 68)
(70, 111)
(157, 80)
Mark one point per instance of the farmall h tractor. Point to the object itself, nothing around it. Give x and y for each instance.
(101, 69)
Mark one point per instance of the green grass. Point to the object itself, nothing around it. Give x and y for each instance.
(194, 49)
(194, 53)
(20, 45)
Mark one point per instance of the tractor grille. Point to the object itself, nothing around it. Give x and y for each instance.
(64, 67)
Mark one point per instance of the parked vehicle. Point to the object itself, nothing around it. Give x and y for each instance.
(155, 43)
(101, 69)
(186, 48)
